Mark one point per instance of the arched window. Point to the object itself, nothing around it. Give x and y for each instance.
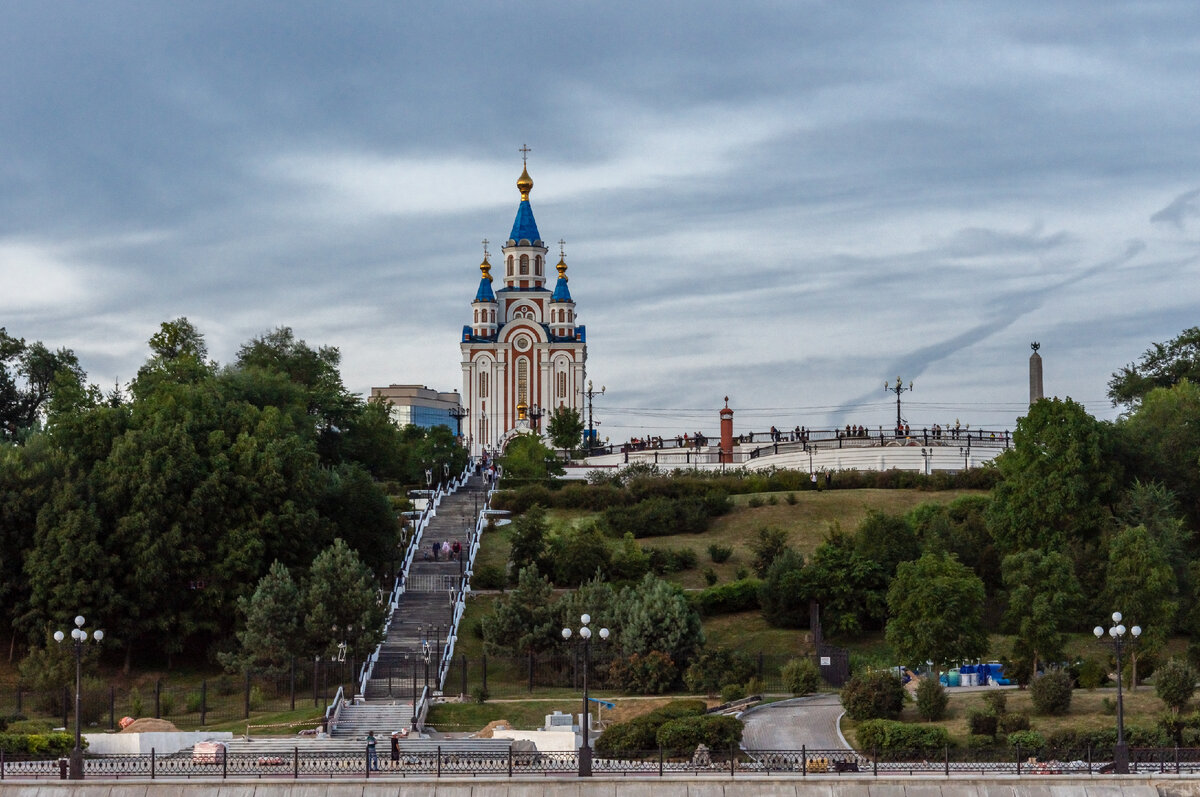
(510, 265)
(537, 262)
(524, 264)
(523, 381)
(483, 385)
(492, 316)
(562, 385)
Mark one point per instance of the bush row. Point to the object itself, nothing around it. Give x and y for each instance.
(736, 596)
(679, 726)
(893, 735)
(38, 745)
(616, 491)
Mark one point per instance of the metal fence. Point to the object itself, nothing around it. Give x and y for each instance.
(458, 762)
(188, 706)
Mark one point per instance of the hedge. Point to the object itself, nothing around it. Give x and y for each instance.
(893, 735)
(38, 745)
(717, 732)
(736, 596)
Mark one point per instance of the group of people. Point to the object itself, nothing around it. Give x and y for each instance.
(372, 755)
(856, 431)
(450, 551)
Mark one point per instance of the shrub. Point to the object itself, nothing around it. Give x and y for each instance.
(166, 703)
(479, 694)
(1108, 706)
(256, 698)
(882, 734)
(732, 692)
(996, 701)
(1026, 740)
(873, 695)
(742, 573)
(736, 596)
(39, 745)
(637, 734)
(754, 501)
(980, 742)
(791, 499)
(710, 576)
(1091, 673)
(1011, 723)
(487, 577)
(931, 700)
(773, 501)
(30, 727)
(982, 723)
(801, 676)
(720, 553)
(1051, 693)
(650, 674)
(1175, 684)
(714, 667)
(717, 732)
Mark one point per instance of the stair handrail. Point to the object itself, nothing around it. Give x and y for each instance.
(464, 588)
(333, 712)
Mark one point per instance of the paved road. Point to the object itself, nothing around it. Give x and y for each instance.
(808, 721)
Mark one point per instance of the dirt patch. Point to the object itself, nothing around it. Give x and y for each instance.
(486, 733)
(149, 725)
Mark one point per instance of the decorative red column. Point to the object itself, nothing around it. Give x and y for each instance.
(726, 432)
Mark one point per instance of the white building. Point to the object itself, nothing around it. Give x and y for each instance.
(523, 354)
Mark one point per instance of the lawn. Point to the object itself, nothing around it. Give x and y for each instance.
(530, 714)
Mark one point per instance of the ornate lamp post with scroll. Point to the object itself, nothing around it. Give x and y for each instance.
(1117, 632)
(80, 636)
(898, 388)
(458, 412)
(585, 634)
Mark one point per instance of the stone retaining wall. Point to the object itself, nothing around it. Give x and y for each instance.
(1045, 786)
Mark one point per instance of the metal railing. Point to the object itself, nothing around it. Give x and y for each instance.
(458, 759)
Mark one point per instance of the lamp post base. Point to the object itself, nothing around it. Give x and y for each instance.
(75, 765)
(585, 761)
(1121, 758)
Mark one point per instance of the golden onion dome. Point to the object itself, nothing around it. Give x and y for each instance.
(524, 184)
(562, 268)
(486, 268)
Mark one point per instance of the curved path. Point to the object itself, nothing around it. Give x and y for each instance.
(810, 721)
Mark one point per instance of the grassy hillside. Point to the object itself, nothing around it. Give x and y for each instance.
(807, 521)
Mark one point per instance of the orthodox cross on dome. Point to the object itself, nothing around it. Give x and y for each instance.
(524, 150)
(485, 251)
(561, 248)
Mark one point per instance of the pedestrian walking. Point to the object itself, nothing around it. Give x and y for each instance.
(372, 756)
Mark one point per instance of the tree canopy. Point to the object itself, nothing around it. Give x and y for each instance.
(1162, 365)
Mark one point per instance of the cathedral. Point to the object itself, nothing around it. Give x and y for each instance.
(523, 354)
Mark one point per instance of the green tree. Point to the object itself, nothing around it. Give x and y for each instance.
(1162, 365)
(887, 540)
(523, 620)
(784, 592)
(527, 540)
(655, 615)
(1161, 442)
(936, 607)
(1140, 581)
(271, 635)
(1175, 684)
(1058, 480)
(527, 459)
(579, 554)
(178, 354)
(341, 593)
(850, 588)
(876, 694)
(29, 375)
(767, 545)
(1043, 601)
(565, 428)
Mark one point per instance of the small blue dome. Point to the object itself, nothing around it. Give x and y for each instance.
(484, 294)
(561, 293)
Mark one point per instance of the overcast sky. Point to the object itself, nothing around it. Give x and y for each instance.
(786, 203)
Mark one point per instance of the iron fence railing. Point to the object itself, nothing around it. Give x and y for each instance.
(457, 760)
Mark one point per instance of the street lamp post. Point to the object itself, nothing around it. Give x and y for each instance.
(1117, 632)
(426, 652)
(591, 434)
(535, 415)
(585, 634)
(446, 474)
(458, 412)
(897, 388)
(79, 636)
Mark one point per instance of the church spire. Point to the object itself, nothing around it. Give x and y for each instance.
(524, 227)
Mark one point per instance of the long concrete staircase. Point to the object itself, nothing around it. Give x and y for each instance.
(423, 615)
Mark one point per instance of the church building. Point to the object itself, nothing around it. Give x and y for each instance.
(523, 354)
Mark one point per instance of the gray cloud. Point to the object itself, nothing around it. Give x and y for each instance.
(786, 203)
